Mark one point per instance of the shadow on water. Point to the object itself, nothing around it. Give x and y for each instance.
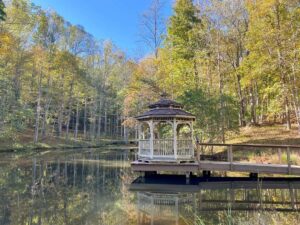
(99, 188)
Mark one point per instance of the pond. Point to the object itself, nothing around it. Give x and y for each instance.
(97, 187)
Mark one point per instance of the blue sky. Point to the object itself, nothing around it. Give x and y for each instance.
(117, 20)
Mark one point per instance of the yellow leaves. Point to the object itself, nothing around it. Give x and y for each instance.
(6, 43)
(39, 57)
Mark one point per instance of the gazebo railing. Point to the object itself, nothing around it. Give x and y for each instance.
(165, 149)
(185, 148)
(144, 148)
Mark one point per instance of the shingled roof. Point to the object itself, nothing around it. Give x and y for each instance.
(165, 108)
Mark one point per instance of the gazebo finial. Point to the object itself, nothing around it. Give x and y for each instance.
(164, 95)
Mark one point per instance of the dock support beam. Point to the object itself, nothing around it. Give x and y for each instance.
(150, 173)
(253, 175)
(206, 173)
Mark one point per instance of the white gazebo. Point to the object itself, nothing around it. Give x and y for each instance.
(166, 132)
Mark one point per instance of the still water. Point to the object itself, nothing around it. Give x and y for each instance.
(98, 187)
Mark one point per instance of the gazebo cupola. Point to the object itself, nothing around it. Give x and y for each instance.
(166, 132)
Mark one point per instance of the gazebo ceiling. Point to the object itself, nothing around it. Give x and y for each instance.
(166, 108)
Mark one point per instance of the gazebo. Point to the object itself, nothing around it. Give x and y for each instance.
(166, 132)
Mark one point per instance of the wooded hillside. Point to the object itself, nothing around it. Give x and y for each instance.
(231, 63)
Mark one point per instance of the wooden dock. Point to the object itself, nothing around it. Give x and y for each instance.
(228, 161)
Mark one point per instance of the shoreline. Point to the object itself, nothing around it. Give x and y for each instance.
(40, 147)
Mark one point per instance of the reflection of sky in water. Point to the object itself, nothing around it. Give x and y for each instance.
(92, 188)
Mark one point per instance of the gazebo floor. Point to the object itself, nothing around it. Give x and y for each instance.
(166, 161)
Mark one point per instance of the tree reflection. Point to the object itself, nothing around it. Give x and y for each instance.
(217, 202)
(78, 189)
(92, 188)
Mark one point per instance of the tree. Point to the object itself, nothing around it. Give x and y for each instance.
(56, 77)
(2, 13)
(153, 26)
(181, 31)
(271, 40)
(185, 43)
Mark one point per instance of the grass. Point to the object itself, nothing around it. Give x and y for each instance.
(23, 141)
(276, 134)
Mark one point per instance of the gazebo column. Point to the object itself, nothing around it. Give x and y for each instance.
(192, 135)
(151, 125)
(175, 138)
(140, 137)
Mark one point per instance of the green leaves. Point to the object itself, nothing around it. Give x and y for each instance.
(2, 13)
(182, 35)
(208, 112)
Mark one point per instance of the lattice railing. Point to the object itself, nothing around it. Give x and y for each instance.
(164, 148)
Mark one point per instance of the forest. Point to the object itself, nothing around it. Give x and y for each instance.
(231, 63)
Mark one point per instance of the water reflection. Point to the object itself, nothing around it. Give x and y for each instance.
(63, 189)
(97, 188)
(169, 200)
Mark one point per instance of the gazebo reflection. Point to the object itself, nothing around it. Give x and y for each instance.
(164, 208)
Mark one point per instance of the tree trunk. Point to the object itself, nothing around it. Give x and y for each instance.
(105, 120)
(70, 104)
(242, 110)
(85, 119)
(288, 114)
(77, 121)
(99, 120)
(221, 91)
(252, 105)
(60, 118)
(93, 110)
(44, 123)
(38, 110)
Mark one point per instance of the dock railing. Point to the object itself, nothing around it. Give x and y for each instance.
(260, 154)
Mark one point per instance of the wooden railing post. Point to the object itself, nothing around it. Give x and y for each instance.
(279, 156)
(288, 154)
(199, 152)
(229, 156)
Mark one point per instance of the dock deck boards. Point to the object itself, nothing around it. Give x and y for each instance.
(216, 166)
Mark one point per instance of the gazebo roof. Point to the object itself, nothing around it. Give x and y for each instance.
(165, 108)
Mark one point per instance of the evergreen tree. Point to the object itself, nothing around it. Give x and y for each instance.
(184, 47)
(2, 13)
(183, 29)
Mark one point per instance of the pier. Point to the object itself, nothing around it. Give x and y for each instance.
(231, 158)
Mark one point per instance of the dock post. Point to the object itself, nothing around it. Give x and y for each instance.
(150, 173)
(206, 173)
(229, 156)
(288, 153)
(253, 175)
(187, 177)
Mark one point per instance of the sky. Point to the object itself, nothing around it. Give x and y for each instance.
(115, 20)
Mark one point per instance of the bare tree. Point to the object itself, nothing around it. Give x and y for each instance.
(153, 26)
